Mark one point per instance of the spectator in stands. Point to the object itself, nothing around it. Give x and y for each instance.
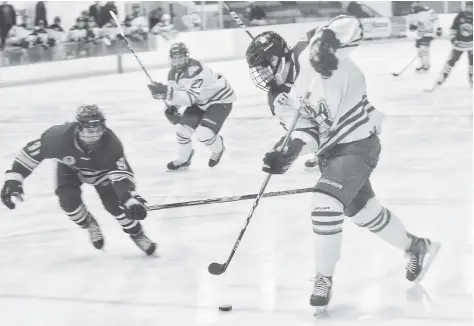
(155, 17)
(7, 21)
(40, 13)
(95, 11)
(192, 21)
(105, 15)
(256, 14)
(165, 28)
(109, 36)
(355, 9)
(76, 37)
(57, 33)
(56, 26)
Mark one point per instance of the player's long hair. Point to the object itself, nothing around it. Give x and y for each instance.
(322, 53)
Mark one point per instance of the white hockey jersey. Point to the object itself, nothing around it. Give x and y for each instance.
(199, 85)
(426, 22)
(343, 112)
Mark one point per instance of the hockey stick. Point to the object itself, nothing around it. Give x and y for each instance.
(237, 19)
(228, 199)
(117, 22)
(218, 269)
(396, 74)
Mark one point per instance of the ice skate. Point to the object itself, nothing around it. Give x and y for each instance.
(321, 293)
(422, 69)
(178, 165)
(216, 157)
(95, 234)
(311, 164)
(144, 243)
(420, 255)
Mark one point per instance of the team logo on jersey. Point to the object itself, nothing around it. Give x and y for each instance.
(192, 70)
(69, 160)
(466, 29)
(281, 98)
(323, 118)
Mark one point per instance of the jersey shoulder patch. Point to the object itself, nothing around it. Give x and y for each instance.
(194, 68)
(114, 145)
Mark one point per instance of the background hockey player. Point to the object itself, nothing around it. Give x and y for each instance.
(208, 99)
(461, 39)
(344, 135)
(424, 21)
(87, 152)
(275, 71)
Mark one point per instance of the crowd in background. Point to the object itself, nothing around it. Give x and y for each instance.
(28, 37)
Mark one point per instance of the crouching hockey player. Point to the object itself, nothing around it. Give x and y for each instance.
(87, 152)
(208, 99)
(461, 39)
(424, 21)
(341, 126)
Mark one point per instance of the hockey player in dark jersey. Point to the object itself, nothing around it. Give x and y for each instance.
(87, 152)
(275, 69)
(207, 98)
(461, 39)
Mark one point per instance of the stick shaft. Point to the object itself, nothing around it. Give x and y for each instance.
(117, 22)
(237, 19)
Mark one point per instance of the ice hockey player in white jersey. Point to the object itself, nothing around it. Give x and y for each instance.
(424, 21)
(461, 40)
(207, 98)
(341, 125)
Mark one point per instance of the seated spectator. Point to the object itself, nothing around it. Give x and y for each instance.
(94, 38)
(192, 21)
(56, 26)
(256, 15)
(164, 28)
(155, 17)
(136, 28)
(17, 42)
(57, 33)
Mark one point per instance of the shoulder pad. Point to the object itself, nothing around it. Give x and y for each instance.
(59, 130)
(114, 145)
(171, 74)
(194, 68)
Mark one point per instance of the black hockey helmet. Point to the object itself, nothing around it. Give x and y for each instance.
(264, 55)
(91, 125)
(179, 55)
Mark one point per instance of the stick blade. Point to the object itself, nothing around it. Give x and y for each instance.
(395, 74)
(216, 269)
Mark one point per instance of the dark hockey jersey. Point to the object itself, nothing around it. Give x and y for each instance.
(103, 166)
(293, 71)
(461, 31)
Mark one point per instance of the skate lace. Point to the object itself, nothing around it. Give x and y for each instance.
(142, 241)
(412, 261)
(215, 156)
(321, 286)
(94, 231)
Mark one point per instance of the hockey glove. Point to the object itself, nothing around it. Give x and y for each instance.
(13, 187)
(439, 32)
(413, 27)
(172, 115)
(158, 90)
(277, 162)
(135, 207)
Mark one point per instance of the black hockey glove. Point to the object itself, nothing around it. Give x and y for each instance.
(135, 207)
(13, 187)
(172, 115)
(277, 162)
(412, 27)
(158, 90)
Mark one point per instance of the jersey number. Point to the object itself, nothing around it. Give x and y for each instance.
(196, 84)
(121, 164)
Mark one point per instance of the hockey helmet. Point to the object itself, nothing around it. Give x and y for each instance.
(179, 56)
(264, 56)
(91, 125)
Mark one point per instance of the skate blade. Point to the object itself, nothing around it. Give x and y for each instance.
(432, 253)
(320, 310)
(183, 169)
(309, 169)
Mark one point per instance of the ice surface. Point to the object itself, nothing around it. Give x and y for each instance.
(50, 275)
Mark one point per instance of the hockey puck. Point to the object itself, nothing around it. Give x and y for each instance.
(226, 307)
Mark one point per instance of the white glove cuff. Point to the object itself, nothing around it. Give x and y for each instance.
(14, 176)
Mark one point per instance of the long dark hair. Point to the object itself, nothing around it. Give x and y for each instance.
(322, 53)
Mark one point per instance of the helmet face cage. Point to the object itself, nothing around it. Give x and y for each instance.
(179, 56)
(264, 55)
(91, 125)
